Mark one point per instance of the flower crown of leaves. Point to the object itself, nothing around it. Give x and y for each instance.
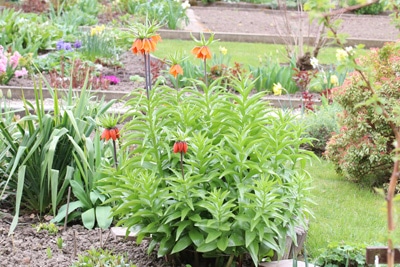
(203, 41)
(147, 30)
(176, 58)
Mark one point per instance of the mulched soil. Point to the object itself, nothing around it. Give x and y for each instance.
(29, 248)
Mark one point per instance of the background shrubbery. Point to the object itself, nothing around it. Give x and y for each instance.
(362, 149)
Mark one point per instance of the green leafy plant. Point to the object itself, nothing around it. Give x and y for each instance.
(51, 228)
(49, 253)
(34, 32)
(88, 205)
(362, 150)
(342, 255)
(273, 73)
(60, 242)
(168, 12)
(373, 9)
(321, 124)
(39, 157)
(98, 45)
(100, 257)
(239, 188)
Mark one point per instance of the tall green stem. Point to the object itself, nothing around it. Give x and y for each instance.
(183, 174)
(115, 154)
(147, 73)
(205, 72)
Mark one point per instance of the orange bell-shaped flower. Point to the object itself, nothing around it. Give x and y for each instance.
(180, 147)
(202, 52)
(110, 133)
(175, 70)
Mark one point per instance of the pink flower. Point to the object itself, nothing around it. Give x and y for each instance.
(2, 67)
(20, 73)
(14, 59)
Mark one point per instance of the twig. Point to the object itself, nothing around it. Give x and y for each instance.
(66, 210)
(75, 246)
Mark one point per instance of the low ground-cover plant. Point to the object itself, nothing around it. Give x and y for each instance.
(342, 255)
(236, 184)
(362, 149)
(101, 257)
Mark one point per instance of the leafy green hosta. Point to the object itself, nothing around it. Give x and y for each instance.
(243, 187)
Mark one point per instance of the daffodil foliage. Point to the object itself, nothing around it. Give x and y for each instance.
(244, 187)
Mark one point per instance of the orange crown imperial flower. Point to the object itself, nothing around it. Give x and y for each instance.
(202, 50)
(180, 147)
(146, 38)
(175, 70)
(109, 122)
(108, 134)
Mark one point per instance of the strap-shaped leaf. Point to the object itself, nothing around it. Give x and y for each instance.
(104, 216)
(89, 218)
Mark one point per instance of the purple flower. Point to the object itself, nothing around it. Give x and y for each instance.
(113, 79)
(67, 46)
(77, 44)
(60, 45)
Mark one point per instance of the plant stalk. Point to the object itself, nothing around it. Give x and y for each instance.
(147, 73)
(67, 208)
(183, 174)
(115, 154)
(205, 72)
(230, 261)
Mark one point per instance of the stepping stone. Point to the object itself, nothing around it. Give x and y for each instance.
(285, 263)
(120, 232)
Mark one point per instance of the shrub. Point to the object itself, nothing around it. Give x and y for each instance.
(373, 9)
(362, 149)
(321, 124)
(240, 188)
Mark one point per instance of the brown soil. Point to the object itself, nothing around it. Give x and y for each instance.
(273, 22)
(28, 248)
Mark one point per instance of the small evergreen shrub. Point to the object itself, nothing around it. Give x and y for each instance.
(321, 125)
(362, 150)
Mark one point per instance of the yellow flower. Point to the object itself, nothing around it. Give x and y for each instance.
(97, 30)
(334, 80)
(223, 50)
(277, 89)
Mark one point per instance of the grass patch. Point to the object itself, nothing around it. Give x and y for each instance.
(345, 212)
(244, 53)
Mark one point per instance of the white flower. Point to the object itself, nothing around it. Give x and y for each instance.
(349, 50)
(185, 5)
(314, 62)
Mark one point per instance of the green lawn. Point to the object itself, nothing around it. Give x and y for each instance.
(244, 53)
(344, 211)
